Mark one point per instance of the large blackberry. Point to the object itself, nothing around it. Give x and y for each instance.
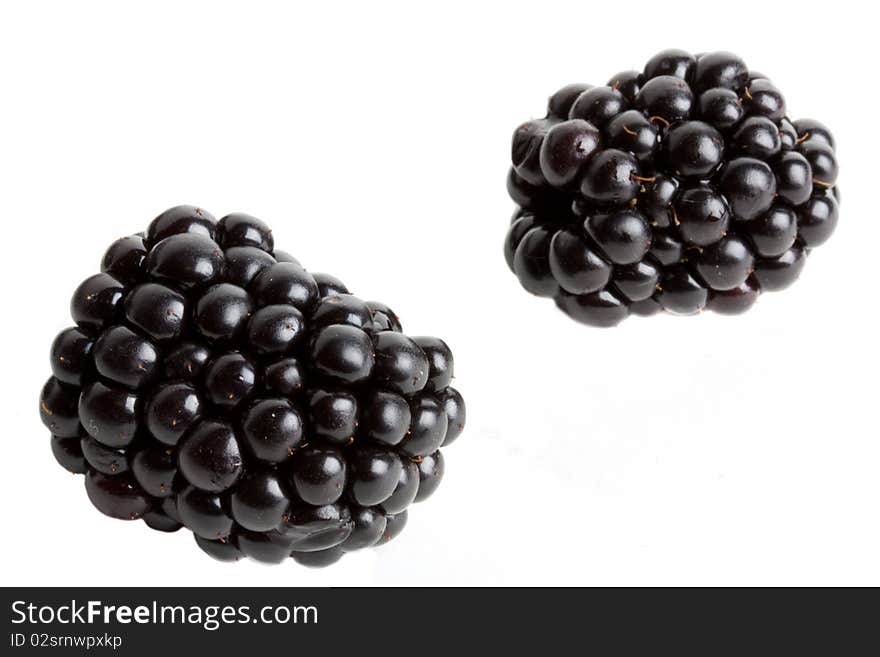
(683, 187)
(211, 382)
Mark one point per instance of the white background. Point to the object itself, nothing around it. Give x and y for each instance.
(374, 138)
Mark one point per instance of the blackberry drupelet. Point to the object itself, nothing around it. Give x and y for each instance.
(212, 383)
(683, 187)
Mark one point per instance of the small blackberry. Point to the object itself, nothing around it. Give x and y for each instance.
(683, 187)
(212, 383)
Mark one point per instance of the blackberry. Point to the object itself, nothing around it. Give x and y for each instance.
(212, 383)
(682, 187)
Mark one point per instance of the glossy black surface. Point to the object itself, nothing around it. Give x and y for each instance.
(210, 457)
(701, 215)
(244, 263)
(221, 550)
(328, 285)
(518, 228)
(213, 383)
(666, 249)
(342, 353)
(666, 98)
(823, 162)
(645, 307)
(456, 413)
(399, 363)
(284, 377)
(779, 273)
(673, 61)
(680, 293)
(773, 233)
(276, 330)
(368, 527)
(373, 474)
(726, 264)
(721, 107)
(385, 417)
(441, 364)
(117, 496)
(690, 171)
(103, 459)
(158, 311)
(185, 360)
(168, 505)
(230, 379)
(632, 131)
(318, 558)
(318, 474)
(525, 150)
(812, 130)
(124, 259)
(333, 416)
(342, 309)
(598, 105)
(384, 319)
(602, 309)
(268, 547)
(794, 177)
(272, 429)
(431, 469)
(817, 219)
(155, 469)
(757, 136)
(171, 410)
(407, 488)
(522, 192)
(787, 135)
(611, 176)
(155, 519)
(623, 235)
(94, 303)
(531, 262)
(576, 265)
(637, 281)
(656, 198)
(69, 356)
(693, 148)
(187, 260)
(559, 104)
(202, 513)
(761, 97)
(565, 149)
(68, 454)
(110, 415)
(627, 83)
(181, 219)
(58, 408)
(240, 229)
(427, 429)
(124, 357)
(749, 186)
(393, 527)
(259, 501)
(736, 300)
(720, 69)
(222, 312)
(315, 528)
